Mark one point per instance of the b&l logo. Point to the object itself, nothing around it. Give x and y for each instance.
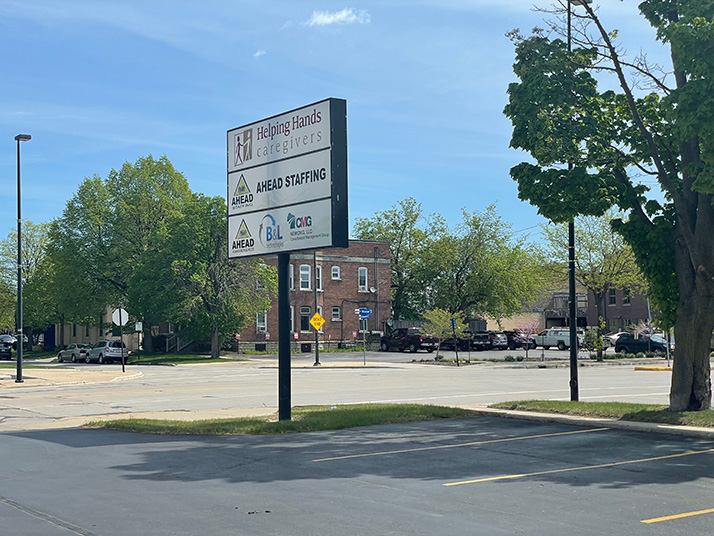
(242, 147)
(301, 222)
(242, 195)
(269, 233)
(243, 239)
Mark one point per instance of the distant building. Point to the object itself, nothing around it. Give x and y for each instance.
(342, 280)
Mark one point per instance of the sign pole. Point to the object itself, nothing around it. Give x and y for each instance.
(283, 337)
(121, 339)
(317, 330)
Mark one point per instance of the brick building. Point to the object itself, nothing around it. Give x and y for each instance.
(342, 280)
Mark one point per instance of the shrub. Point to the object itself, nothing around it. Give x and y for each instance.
(640, 355)
(631, 356)
(519, 358)
(509, 358)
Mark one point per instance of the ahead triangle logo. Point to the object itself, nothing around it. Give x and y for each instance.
(242, 187)
(243, 240)
(242, 197)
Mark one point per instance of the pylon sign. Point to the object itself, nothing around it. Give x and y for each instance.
(287, 181)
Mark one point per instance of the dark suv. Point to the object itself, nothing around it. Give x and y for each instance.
(516, 339)
(629, 344)
(5, 349)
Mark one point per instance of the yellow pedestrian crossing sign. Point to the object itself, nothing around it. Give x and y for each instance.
(317, 321)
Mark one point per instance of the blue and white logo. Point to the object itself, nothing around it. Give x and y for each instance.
(269, 233)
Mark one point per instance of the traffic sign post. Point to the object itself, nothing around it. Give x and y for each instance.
(363, 314)
(456, 341)
(119, 317)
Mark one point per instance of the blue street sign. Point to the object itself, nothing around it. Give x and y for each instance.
(363, 311)
(453, 323)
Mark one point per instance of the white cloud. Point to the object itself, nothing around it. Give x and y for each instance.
(346, 16)
(259, 53)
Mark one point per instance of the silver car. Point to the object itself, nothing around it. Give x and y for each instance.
(106, 351)
(74, 352)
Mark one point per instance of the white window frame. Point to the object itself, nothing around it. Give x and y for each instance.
(336, 273)
(362, 271)
(309, 315)
(292, 319)
(338, 317)
(305, 277)
(318, 277)
(291, 276)
(261, 322)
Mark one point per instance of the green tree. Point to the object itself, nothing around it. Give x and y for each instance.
(438, 324)
(410, 235)
(201, 290)
(611, 139)
(481, 270)
(604, 261)
(111, 227)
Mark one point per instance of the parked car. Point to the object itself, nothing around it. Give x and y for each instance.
(5, 349)
(106, 351)
(517, 339)
(464, 341)
(611, 338)
(481, 340)
(74, 352)
(412, 339)
(498, 340)
(10, 339)
(558, 337)
(627, 343)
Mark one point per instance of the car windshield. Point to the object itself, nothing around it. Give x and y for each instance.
(658, 338)
(116, 344)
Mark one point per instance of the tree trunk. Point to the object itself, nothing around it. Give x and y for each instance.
(691, 372)
(215, 343)
(61, 337)
(148, 340)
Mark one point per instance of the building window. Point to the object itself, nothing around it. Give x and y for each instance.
(305, 277)
(362, 279)
(74, 329)
(292, 319)
(261, 322)
(318, 277)
(336, 272)
(612, 297)
(305, 318)
(626, 297)
(291, 277)
(363, 324)
(259, 282)
(319, 311)
(336, 314)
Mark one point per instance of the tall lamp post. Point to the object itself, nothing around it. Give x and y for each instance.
(572, 299)
(20, 342)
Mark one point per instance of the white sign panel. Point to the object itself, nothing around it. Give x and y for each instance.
(284, 136)
(297, 180)
(295, 227)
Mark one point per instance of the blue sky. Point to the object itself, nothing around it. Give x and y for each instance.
(98, 83)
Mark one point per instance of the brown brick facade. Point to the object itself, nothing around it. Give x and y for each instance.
(361, 278)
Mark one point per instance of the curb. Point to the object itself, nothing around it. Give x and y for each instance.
(633, 426)
(655, 368)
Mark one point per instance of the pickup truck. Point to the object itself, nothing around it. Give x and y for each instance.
(412, 339)
(559, 337)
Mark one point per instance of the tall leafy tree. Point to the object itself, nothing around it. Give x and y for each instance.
(481, 270)
(410, 234)
(191, 282)
(604, 261)
(660, 129)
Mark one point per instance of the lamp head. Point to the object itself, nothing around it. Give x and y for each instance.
(23, 137)
(580, 2)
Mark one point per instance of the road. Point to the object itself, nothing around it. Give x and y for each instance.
(252, 386)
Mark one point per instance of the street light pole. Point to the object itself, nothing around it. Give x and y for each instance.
(20, 342)
(572, 299)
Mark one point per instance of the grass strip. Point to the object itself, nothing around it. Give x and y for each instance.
(304, 419)
(175, 359)
(651, 413)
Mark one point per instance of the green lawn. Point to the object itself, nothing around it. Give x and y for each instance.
(615, 410)
(174, 359)
(304, 419)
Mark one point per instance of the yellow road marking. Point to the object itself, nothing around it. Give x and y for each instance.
(678, 516)
(582, 468)
(419, 449)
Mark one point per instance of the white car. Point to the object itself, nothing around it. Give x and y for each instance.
(74, 352)
(106, 351)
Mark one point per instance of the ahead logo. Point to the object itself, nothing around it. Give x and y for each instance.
(243, 238)
(242, 147)
(242, 195)
(299, 222)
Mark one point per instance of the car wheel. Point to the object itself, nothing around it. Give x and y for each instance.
(622, 350)
(561, 346)
(87, 359)
(102, 361)
(658, 352)
(511, 346)
(412, 348)
(385, 347)
(430, 350)
(74, 358)
(59, 358)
